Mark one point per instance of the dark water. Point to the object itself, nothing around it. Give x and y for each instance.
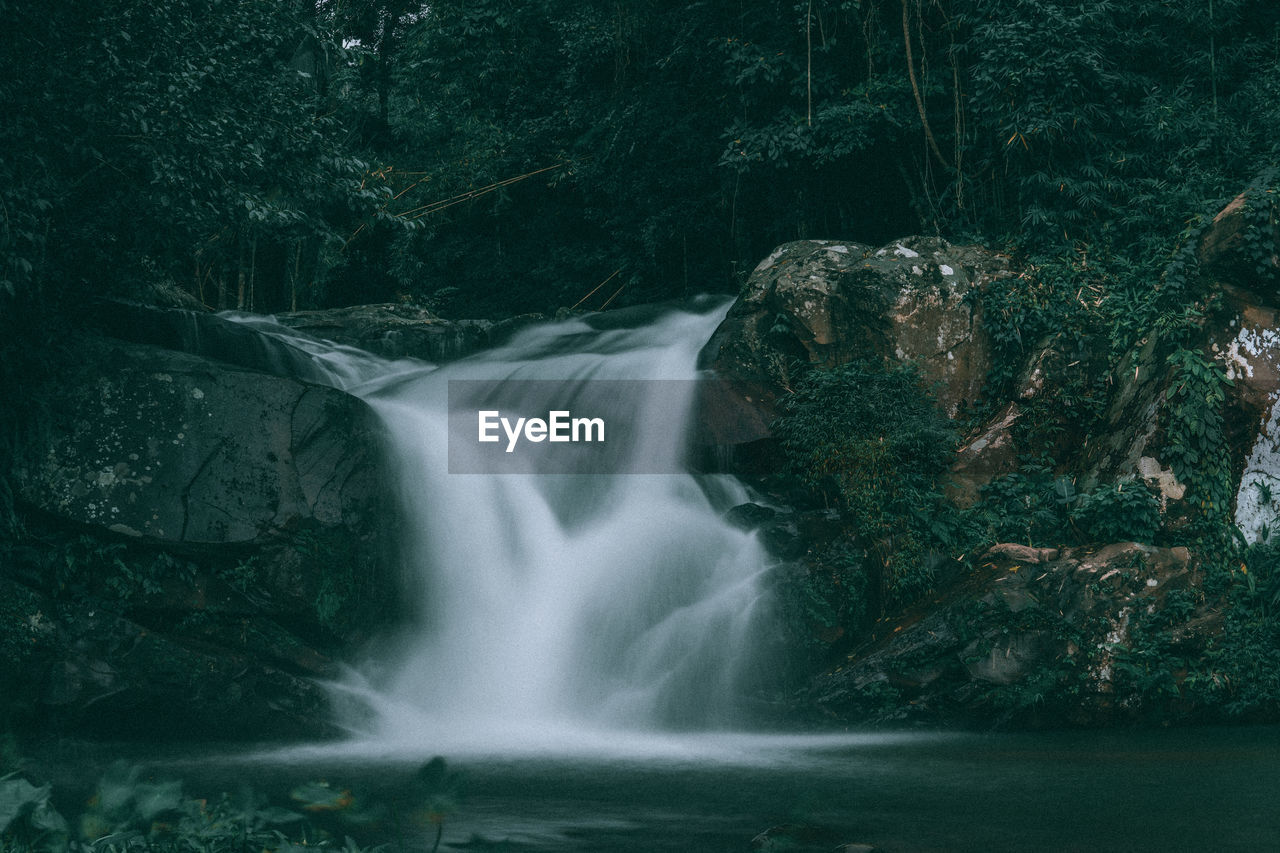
(1203, 789)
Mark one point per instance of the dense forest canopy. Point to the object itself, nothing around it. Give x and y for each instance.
(494, 156)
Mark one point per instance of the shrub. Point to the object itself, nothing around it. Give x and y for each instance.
(873, 441)
(1126, 511)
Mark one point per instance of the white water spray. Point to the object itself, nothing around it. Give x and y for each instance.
(557, 605)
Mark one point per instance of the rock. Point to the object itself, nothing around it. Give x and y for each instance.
(1229, 249)
(980, 460)
(796, 837)
(83, 668)
(169, 295)
(151, 443)
(1248, 348)
(1007, 555)
(1244, 341)
(818, 302)
(1162, 479)
(750, 516)
(201, 539)
(393, 331)
(1034, 377)
(1036, 634)
(1133, 417)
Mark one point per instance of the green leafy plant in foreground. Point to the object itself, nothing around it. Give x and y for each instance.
(130, 813)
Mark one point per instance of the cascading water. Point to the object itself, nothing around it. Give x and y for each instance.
(555, 604)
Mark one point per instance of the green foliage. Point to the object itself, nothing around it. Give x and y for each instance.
(1262, 225)
(1127, 511)
(825, 599)
(873, 440)
(1037, 507)
(28, 819)
(131, 813)
(244, 576)
(124, 801)
(340, 565)
(520, 154)
(1092, 133)
(1032, 505)
(125, 573)
(1240, 675)
(1196, 444)
(1054, 680)
(196, 123)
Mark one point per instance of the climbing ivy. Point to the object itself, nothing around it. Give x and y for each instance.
(1196, 443)
(1261, 239)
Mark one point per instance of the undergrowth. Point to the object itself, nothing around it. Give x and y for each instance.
(129, 812)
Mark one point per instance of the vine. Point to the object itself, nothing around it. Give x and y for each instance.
(1197, 445)
(1262, 228)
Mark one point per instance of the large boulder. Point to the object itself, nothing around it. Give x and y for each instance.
(824, 303)
(201, 541)
(147, 442)
(1241, 246)
(391, 331)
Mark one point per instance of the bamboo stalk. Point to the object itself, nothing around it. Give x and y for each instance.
(597, 287)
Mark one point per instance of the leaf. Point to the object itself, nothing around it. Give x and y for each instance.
(18, 797)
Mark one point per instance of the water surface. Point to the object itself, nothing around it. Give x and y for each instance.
(1197, 789)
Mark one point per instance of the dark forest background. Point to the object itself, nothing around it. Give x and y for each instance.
(494, 156)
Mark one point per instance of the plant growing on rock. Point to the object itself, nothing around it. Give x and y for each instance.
(871, 440)
(1126, 511)
(1197, 444)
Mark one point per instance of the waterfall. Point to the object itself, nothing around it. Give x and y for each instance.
(552, 603)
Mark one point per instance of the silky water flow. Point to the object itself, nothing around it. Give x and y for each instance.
(553, 610)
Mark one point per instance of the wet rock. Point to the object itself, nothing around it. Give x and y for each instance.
(797, 837)
(403, 331)
(750, 516)
(225, 530)
(391, 331)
